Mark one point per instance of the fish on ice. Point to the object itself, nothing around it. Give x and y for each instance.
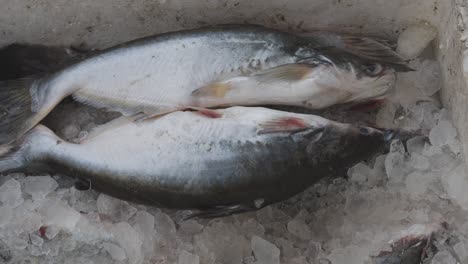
(249, 158)
(206, 67)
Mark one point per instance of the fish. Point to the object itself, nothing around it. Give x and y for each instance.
(209, 67)
(249, 158)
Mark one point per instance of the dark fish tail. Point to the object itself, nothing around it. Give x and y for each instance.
(21, 152)
(16, 114)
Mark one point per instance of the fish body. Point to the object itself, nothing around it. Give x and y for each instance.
(250, 157)
(206, 67)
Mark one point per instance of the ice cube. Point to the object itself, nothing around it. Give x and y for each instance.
(350, 255)
(443, 257)
(220, 242)
(299, 229)
(461, 249)
(70, 131)
(189, 228)
(36, 240)
(10, 193)
(417, 184)
(129, 240)
(386, 115)
(456, 183)
(414, 39)
(394, 162)
(60, 214)
(116, 252)
(39, 186)
(115, 209)
(165, 229)
(6, 214)
(264, 251)
(188, 258)
(443, 134)
(144, 225)
(416, 144)
(419, 162)
(359, 173)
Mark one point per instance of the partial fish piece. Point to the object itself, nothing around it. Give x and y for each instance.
(158, 75)
(188, 161)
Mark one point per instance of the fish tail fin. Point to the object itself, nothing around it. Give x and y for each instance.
(26, 149)
(16, 113)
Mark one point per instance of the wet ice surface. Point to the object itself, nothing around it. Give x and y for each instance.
(415, 189)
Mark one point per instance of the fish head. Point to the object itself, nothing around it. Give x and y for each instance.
(347, 78)
(343, 145)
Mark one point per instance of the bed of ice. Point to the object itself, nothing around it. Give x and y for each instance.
(418, 188)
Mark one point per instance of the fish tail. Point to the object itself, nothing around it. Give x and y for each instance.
(27, 149)
(17, 115)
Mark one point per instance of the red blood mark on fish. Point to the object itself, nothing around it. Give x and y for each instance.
(367, 106)
(42, 231)
(210, 113)
(291, 122)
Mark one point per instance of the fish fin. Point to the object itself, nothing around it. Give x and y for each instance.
(287, 72)
(206, 112)
(283, 124)
(222, 211)
(16, 114)
(124, 106)
(216, 89)
(375, 50)
(19, 153)
(22, 60)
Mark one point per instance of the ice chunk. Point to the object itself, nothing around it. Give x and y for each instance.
(443, 134)
(412, 87)
(264, 251)
(144, 225)
(36, 240)
(129, 240)
(394, 162)
(443, 257)
(221, 242)
(416, 144)
(116, 252)
(461, 249)
(350, 255)
(456, 184)
(70, 131)
(414, 39)
(359, 173)
(188, 258)
(51, 232)
(419, 162)
(115, 209)
(190, 227)
(39, 186)
(10, 193)
(417, 184)
(60, 214)
(386, 115)
(5, 215)
(299, 229)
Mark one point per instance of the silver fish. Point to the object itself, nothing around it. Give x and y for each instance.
(206, 67)
(249, 158)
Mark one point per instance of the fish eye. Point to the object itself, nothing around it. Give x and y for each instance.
(373, 69)
(364, 130)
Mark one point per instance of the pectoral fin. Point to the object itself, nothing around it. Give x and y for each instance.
(283, 124)
(287, 72)
(216, 89)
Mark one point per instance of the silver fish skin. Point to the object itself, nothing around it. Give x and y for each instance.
(206, 67)
(251, 157)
